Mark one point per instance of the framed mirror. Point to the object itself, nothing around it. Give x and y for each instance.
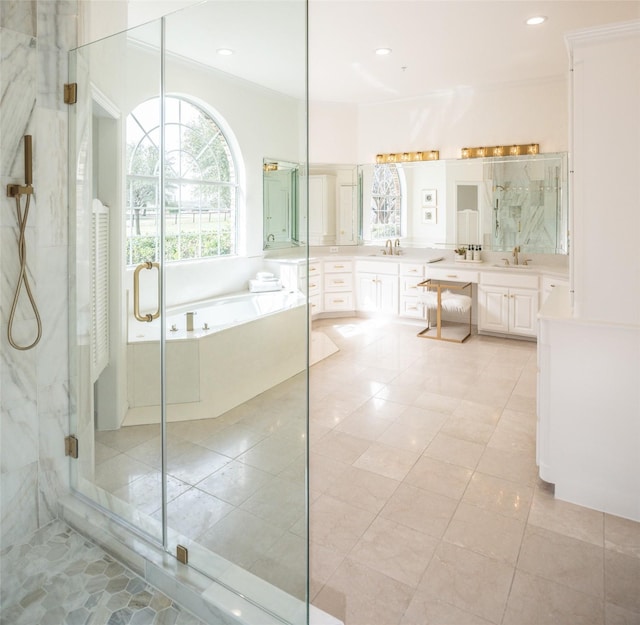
(280, 203)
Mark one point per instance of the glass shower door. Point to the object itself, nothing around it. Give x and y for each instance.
(236, 366)
(116, 358)
(189, 390)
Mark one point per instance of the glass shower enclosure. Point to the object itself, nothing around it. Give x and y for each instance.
(189, 389)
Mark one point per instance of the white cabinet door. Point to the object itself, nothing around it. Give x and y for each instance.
(523, 311)
(508, 311)
(367, 293)
(493, 304)
(388, 294)
(377, 293)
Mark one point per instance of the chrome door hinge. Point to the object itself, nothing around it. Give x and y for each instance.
(71, 93)
(71, 446)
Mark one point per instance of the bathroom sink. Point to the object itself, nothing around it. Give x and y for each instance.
(512, 266)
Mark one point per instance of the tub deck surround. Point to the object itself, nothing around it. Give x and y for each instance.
(256, 343)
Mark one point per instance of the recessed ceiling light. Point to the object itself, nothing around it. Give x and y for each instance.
(383, 51)
(537, 19)
(224, 51)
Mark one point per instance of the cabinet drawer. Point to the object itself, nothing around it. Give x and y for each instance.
(513, 279)
(338, 266)
(338, 301)
(314, 269)
(453, 275)
(412, 269)
(315, 304)
(409, 286)
(338, 282)
(315, 285)
(409, 307)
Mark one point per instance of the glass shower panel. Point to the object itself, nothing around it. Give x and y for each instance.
(114, 199)
(236, 371)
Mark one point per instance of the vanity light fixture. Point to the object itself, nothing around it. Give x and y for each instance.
(536, 20)
(383, 51)
(408, 157)
(270, 167)
(500, 150)
(224, 51)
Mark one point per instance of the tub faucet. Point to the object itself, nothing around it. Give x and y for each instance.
(271, 237)
(389, 245)
(516, 249)
(190, 321)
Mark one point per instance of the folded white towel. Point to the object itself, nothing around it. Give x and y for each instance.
(263, 286)
(265, 275)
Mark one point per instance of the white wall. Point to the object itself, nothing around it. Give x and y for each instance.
(517, 113)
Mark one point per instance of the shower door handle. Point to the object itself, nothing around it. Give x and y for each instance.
(136, 292)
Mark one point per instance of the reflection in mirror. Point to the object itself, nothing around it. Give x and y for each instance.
(495, 202)
(528, 204)
(467, 214)
(280, 204)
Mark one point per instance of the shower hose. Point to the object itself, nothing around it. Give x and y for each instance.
(22, 278)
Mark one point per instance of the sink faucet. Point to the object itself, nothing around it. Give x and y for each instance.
(396, 245)
(389, 245)
(516, 249)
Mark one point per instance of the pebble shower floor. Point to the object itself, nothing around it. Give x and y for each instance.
(58, 577)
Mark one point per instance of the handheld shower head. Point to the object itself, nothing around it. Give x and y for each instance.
(28, 161)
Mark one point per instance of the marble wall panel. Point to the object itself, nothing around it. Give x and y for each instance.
(18, 55)
(34, 385)
(19, 16)
(57, 34)
(18, 504)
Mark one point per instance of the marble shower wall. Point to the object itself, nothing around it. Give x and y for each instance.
(35, 36)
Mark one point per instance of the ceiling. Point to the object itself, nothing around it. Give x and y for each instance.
(437, 45)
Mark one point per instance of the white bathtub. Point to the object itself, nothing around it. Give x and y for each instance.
(254, 341)
(214, 315)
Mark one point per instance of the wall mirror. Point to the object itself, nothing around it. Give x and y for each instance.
(494, 202)
(281, 218)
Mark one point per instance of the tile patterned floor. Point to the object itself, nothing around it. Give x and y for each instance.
(60, 578)
(426, 508)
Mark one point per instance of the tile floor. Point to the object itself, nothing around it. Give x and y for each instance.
(58, 577)
(241, 474)
(425, 506)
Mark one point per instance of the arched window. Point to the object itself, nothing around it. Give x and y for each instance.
(200, 184)
(386, 203)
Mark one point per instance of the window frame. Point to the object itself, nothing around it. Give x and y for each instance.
(230, 149)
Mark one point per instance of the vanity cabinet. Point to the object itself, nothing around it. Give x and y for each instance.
(377, 287)
(508, 304)
(322, 209)
(338, 285)
(411, 274)
(315, 287)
